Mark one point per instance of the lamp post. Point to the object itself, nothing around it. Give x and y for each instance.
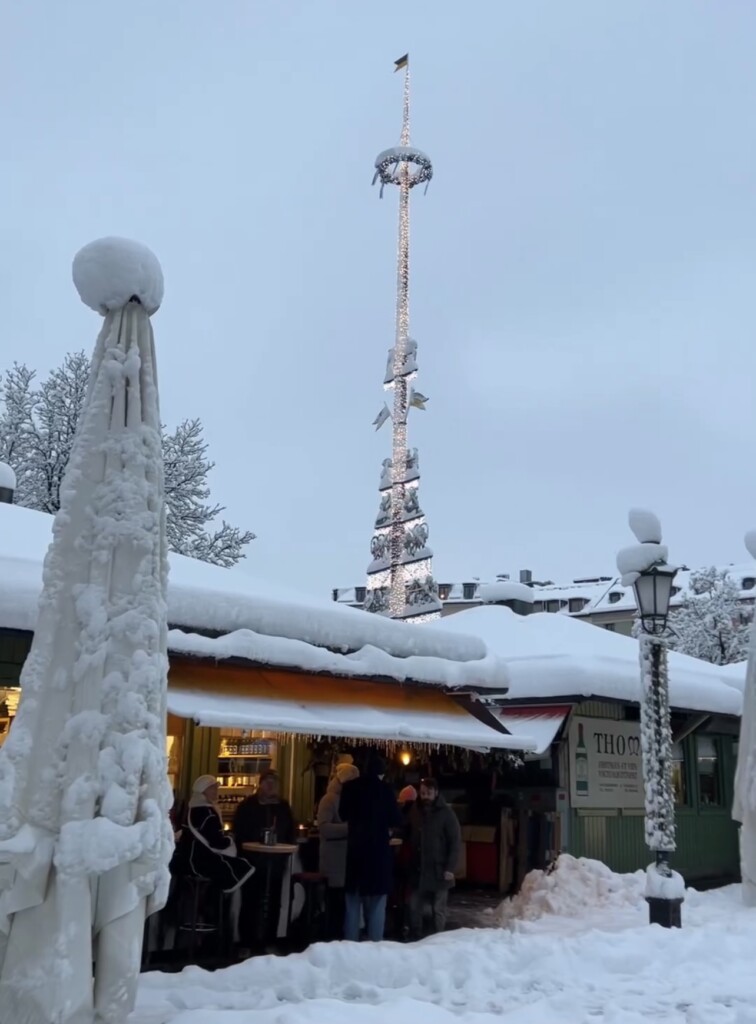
(653, 590)
(644, 566)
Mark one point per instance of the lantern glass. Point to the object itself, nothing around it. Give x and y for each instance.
(653, 592)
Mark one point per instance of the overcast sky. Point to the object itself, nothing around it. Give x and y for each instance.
(583, 264)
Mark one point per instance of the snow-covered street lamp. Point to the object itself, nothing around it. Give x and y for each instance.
(653, 592)
(644, 567)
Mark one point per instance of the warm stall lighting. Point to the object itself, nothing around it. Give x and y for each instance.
(405, 757)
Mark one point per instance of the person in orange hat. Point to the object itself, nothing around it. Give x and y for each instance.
(402, 864)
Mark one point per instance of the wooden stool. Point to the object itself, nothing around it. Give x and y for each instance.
(315, 887)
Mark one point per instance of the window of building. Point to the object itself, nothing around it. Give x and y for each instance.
(615, 596)
(577, 604)
(444, 590)
(749, 583)
(359, 594)
(709, 784)
(538, 606)
(552, 606)
(679, 776)
(611, 626)
(468, 591)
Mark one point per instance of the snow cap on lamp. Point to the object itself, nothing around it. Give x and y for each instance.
(109, 272)
(649, 551)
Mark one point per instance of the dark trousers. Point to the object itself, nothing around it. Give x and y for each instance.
(437, 901)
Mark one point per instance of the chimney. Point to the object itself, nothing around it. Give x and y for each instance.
(526, 576)
(7, 484)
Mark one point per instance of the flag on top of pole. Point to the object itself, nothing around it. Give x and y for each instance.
(403, 62)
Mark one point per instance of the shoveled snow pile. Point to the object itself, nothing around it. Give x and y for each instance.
(110, 271)
(602, 967)
(574, 886)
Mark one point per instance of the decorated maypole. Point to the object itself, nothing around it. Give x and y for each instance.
(400, 580)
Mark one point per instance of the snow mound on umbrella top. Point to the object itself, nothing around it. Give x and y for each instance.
(110, 271)
(574, 886)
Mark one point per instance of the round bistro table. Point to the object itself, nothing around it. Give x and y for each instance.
(269, 852)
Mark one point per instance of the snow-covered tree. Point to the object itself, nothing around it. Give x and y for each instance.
(712, 623)
(37, 427)
(186, 493)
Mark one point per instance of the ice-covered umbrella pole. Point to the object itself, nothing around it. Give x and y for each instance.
(644, 567)
(85, 837)
(744, 803)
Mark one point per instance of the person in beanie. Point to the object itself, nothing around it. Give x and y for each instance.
(369, 808)
(333, 845)
(206, 850)
(436, 844)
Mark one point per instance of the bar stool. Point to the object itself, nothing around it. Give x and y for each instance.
(315, 887)
(197, 889)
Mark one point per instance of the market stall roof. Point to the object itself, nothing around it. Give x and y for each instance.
(539, 721)
(262, 623)
(549, 656)
(227, 696)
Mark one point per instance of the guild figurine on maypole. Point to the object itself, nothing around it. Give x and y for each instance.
(400, 580)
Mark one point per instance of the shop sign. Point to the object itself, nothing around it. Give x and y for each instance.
(605, 764)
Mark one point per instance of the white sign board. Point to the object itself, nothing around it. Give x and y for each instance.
(605, 763)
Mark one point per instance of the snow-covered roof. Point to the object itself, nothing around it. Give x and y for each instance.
(593, 596)
(438, 726)
(555, 656)
(262, 623)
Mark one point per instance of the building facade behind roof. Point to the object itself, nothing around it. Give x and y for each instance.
(601, 600)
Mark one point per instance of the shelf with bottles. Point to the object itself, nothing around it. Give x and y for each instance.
(245, 744)
(243, 756)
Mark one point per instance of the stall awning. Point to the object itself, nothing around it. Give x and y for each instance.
(288, 702)
(541, 722)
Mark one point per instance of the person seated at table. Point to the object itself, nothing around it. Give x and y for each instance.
(206, 851)
(333, 846)
(264, 812)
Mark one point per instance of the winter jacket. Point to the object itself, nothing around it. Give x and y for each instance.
(436, 844)
(253, 818)
(333, 837)
(209, 852)
(369, 807)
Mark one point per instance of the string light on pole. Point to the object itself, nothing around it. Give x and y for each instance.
(400, 577)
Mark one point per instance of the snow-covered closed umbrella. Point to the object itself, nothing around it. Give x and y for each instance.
(85, 837)
(744, 802)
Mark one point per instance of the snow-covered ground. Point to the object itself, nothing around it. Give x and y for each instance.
(572, 948)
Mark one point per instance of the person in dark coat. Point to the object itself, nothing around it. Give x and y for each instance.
(369, 808)
(264, 811)
(208, 851)
(436, 845)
